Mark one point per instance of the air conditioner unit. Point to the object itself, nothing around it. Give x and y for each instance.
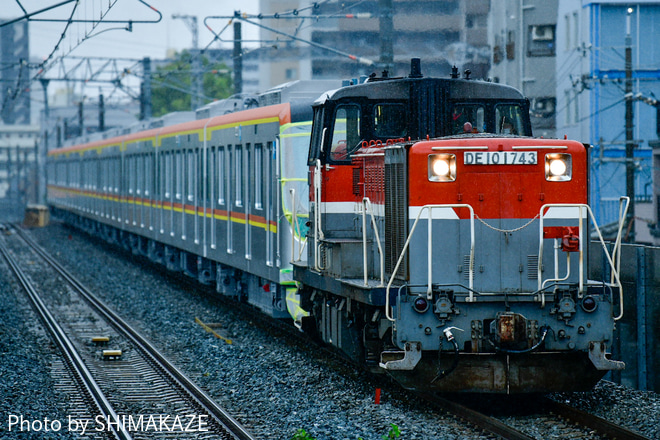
(543, 33)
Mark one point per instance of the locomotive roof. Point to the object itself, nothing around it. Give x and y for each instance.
(400, 88)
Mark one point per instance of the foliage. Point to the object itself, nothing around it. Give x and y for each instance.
(301, 434)
(394, 433)
(170, 90)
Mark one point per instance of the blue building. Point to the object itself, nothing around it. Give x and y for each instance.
(591, 95)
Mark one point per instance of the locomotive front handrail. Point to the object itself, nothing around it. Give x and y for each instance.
(625, 201)
(366, 205)
(318, 231)
(429, 288)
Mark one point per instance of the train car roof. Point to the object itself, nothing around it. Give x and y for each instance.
(279, 112)
(401, 89)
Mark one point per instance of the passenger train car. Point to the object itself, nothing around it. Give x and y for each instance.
(412, 223)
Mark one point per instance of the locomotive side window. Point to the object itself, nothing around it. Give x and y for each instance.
(346, 131)
(468, 118)
(509, 119)
(390, 121)
(317, 136)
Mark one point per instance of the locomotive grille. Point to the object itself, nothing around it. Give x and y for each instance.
(396, 211)
(532, 267)
(356, 181)
(466, 267)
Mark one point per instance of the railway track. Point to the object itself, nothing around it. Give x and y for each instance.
(139, 373)
(93, 398)
(560, 413)
(603, 427)
(481, 414)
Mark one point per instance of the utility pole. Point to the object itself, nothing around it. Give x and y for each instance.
(101, 113)
(386, 30)
(43, 148)
(630, 145)
(81, 118)
(238, 57)
(196, 71)
(145, 96)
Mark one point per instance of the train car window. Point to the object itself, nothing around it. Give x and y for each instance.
(139, 174)
(151, 182)
(238, 176)
(258, 176)
(200, 181)
(131, 174)
(390, 121)
(167, 175)
(159, 162)
(468, 118)
(178, 175)
(191, 176)
(211, 176)
(509, 119)
(346, 131)
(248, 176)
(220, 167)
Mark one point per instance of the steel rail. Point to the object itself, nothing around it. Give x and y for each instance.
(598, 424)
(218, 414)
(476, 418)
(84, 376)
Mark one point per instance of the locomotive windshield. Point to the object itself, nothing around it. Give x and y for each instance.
(509, 119)
(479, 118)
(390, 121)
(468, 118)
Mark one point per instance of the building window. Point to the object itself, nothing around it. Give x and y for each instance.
(510, 45)
(541, 41)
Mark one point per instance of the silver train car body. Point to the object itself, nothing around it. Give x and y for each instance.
(211, 197)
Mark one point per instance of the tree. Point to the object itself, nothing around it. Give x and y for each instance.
(171, 88)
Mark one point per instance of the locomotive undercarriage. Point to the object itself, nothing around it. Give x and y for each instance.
(509, 343)
(502, 343)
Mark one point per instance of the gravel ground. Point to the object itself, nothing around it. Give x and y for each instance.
(273, 386)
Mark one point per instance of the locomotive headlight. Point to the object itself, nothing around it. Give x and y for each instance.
(558, 167)
(442, 167)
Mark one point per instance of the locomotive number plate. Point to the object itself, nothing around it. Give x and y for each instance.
(499, 158)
